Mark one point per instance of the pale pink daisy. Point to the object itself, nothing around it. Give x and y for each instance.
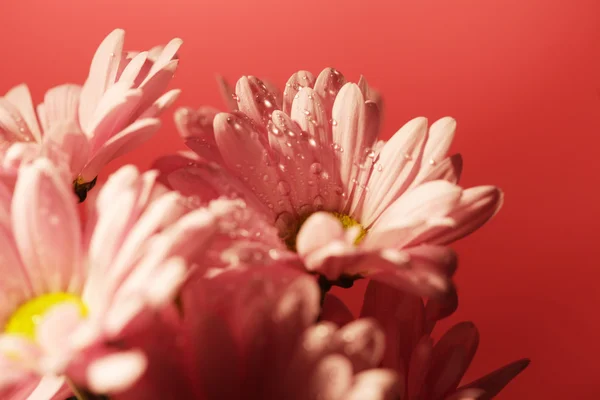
(66, 289)
(112, 113)
(431, 371)
(348, 204)
(251, 334)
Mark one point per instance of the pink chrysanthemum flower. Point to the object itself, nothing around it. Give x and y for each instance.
(112, 113)
(430, 371)
(349, 204)
(65, 289)
(251, 334)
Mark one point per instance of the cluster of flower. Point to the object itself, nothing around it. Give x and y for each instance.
(209, 276)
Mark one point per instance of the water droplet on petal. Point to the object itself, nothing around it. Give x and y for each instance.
(316, 168)
(265, 178)
(407, 157)
(284, 188)
(318, 202)
(379, 167)
(334, 122)
(432, 162)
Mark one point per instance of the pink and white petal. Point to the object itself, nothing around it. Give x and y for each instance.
(441, 134)
(328, 84)
(476, 207)
(42, 203)
(114, 112)
(161, 104)
(15, 287)
(296, 82)
(13, 127)
(397, 165)
(50, 387)
(331, 379)
(154, 87)
(369, 93)
(126, 140)
(16, 384)
(61, 104)
(228, 94)
(53, 335)
(362, 342)
(334, 310)
(375, 384)
(466, 394)
(348, 130)
(130, 75)
(318, 231)
(103, 72)
(20, 96)
(166, 57)
(449, 170)
(397, 268)
(422, 209)
(66, 142)
(494, 382)
(255, 100)
(333, 259)
(245, 153)
(116, 372)
(451, 357)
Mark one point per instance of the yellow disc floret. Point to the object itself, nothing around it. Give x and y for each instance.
(349, 222)
(25, 319)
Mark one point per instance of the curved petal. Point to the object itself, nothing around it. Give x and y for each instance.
(46, 227)
(297, 81)
(103, 72)
(126, 140)
(494, 382)
(21, 98)
(395, 169)
(375, 384)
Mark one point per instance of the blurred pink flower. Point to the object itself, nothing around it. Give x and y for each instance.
(430, 371)
(65, 289)
(349, 204)
(112, 113)
(251, 334)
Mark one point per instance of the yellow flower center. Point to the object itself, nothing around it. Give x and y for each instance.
(349, 222)
(26, 318)
(346, 220)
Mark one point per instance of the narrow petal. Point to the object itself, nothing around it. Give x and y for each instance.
(421, 209)
(48, 387)
(476, 207)
(395, 169)
(103, 72)
(494, 382)
(228, 94)
(441, 134)
(61, 104)
(452, 355)
(13, 127)
(21, 98)
(161, 104)
(401, 317)
(245, 153)
(46, 227)
(128, 139)
(255, 100)
(449, 170)
(196, 128)
(328, 84)
(297, 81)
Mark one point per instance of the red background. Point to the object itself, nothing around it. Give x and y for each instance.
(520, 76)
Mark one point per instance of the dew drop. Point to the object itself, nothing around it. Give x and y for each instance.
(316, 168)
(407, 157)
(432, 162)
(312, 142)
(282, 167)
(318, 202)
(268, 104)
(379, 167)
(235, 97)
(324, 175)
(306, 112)
(265, 178)
(284, 188)
(334, 122)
